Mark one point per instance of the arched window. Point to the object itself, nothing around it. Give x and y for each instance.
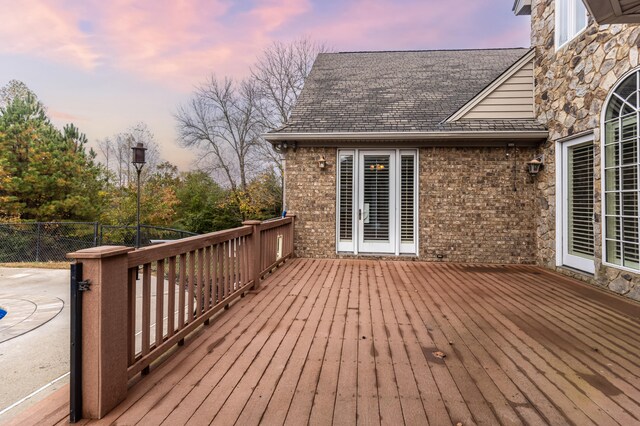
(621, 165)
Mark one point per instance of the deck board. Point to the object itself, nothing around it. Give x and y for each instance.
(354, 342)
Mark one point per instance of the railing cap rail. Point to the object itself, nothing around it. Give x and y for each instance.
(252, 222)
(99, 252)
(184, 245)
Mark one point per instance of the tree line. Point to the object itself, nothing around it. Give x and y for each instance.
(50, 174)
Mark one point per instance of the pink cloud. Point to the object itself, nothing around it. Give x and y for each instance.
(174, 41)
(61, 116)
(179, 42)
(41, 28)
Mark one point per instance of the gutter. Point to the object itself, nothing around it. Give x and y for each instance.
(406, 136)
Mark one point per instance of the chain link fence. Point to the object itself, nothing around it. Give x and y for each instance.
(126, 235)
(51, 241)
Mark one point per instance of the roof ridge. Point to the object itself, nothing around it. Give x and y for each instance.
(426, 50)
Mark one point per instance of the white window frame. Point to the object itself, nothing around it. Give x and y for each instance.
(571, 24)
(352, 247)
(347, 246)
(603, 177)
(563, 258)
(405, 248)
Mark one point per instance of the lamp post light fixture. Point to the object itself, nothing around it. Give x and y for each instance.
(138, 162)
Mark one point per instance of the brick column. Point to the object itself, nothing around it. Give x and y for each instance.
(104, 328)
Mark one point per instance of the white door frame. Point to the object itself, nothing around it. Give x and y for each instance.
(563, 258)
(354, 246)
(377, 247)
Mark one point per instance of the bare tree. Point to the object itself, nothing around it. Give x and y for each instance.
(115, 153)
(280, 73)
(222, 119)
(15, 89)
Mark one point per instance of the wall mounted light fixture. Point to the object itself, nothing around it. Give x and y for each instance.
(534, 166)
(283, 147)
(322, 162)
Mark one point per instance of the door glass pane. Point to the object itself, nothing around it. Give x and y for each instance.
(580, 196)
(580, 16)
(407, 198)
(376, 198)
(614, 254)
(346, 198)
(562, 27)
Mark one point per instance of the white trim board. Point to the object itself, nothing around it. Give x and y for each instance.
(513, 69)
(364, 136)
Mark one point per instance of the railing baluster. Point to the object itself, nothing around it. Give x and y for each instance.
(171, 303)
(220, 253)
(146, 308)
(131, 314)
(247, 273)
(234, 265)
(239, 261)
(192, 278)
(224, 269)
(159, 302)
(199, 289)
(181, 290)
(230, 267)
(207, 278)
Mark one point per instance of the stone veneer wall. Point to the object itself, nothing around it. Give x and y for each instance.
(469, 211)
(572, 84)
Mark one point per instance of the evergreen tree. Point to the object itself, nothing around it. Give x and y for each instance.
(46, 174)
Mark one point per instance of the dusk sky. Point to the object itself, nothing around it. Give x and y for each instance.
(106, 65)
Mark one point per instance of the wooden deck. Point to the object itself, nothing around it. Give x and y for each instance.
(371, 342)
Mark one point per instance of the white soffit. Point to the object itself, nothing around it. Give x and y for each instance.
(614, 11)
(522, 7)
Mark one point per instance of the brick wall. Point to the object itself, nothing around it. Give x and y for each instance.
(469, 211)
(572, 84)
(311, 196)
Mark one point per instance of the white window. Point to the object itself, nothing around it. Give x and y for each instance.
(571, 19)
(621, 171)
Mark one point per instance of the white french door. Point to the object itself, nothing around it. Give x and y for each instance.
(377, 201)
(576, 204)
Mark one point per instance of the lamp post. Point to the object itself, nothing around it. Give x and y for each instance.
(138, 163)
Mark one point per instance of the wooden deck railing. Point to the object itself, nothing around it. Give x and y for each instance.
(144, 302)
(276, 240)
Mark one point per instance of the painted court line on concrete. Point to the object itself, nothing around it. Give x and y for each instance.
(32, 394)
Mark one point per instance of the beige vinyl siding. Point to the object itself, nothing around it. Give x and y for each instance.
(512, 99)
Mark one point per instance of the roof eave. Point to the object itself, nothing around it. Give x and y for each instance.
(407, 136)
(613, 12)
(522, 7)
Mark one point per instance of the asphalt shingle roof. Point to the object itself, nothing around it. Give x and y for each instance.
(413, 91)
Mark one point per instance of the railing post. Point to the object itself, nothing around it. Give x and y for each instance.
(104, 328)
(255, 255)
(292, 231)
